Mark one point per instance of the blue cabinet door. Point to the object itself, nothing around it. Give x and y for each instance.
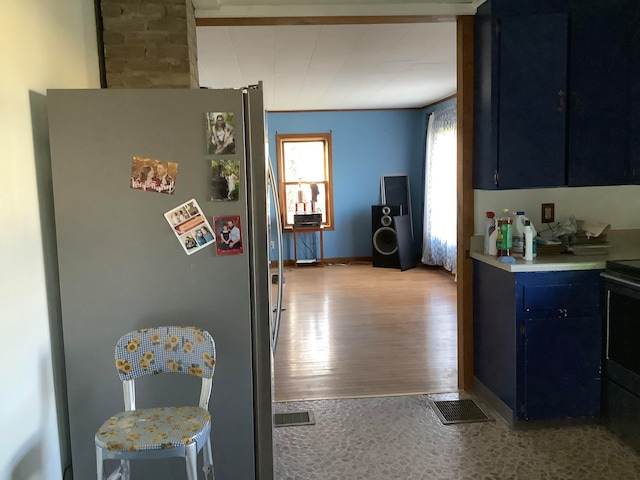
(532, 111)
(562, 367)
(634, 95)
(599, 109)
(485, 108)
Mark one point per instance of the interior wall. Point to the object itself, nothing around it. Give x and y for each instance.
(366, 145)
(617, 205)
(45, 44)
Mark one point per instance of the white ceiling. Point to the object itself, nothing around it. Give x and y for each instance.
(332, 67)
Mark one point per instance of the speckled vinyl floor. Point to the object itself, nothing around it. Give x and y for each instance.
(391, 438)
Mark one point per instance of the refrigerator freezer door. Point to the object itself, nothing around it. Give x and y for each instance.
(121, 267)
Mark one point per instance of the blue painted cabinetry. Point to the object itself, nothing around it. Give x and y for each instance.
(553, 82)
(599, 72)
(537, 341)
(634, 94)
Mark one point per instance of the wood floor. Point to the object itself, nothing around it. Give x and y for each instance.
(358, 331)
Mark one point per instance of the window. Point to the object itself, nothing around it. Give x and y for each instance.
(304, 176)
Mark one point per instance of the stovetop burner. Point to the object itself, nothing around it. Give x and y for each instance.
(630, 268)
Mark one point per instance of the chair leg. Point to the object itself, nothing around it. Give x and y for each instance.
(100, 464)
(125, 473)
(191, 459)
(208, 461)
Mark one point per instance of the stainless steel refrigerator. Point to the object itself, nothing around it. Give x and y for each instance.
(122, 268)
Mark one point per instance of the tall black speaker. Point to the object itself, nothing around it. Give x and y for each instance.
(391, 237)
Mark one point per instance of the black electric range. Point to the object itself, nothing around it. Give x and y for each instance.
(621, 349)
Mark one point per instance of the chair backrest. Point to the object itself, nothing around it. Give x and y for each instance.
(150, 351)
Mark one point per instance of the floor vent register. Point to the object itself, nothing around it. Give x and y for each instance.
(293, 419)
(458, 411)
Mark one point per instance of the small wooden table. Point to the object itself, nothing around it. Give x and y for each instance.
(297, 230)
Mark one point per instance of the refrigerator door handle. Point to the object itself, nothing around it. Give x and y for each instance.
(276, 206)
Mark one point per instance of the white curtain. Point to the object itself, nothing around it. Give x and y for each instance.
(440, 200)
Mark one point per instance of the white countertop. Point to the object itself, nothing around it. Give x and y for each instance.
(625, 245)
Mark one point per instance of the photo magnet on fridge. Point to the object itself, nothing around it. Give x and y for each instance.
(153, 175)
(220, 134)
(225, 180)
(190, 227)
(229, 235)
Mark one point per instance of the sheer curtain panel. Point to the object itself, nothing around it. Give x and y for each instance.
(440, 199)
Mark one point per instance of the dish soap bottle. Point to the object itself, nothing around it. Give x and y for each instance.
(504, 240)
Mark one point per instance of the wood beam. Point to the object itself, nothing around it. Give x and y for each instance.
(330, 20)
(465, 200)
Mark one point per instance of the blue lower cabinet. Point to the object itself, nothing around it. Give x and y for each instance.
(537, 341)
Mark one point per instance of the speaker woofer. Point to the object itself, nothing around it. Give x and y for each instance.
(385, 241)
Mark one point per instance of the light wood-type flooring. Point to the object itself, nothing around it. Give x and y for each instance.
(359, 331)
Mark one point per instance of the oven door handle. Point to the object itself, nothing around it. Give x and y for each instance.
(620, 280)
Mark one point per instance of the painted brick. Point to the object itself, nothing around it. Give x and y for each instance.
(179, 66)
(145, 38)
(128, 2)
(168, 51)
(144, 10)
(135, 80)
(111, 10)
(167, 2)
(125, 24)
(114, 79)
(177, 38)
(148, 65)
(167, 25)
(175, 79)
(116, 65)
(123, 51)
(177, 11)
(113, 38)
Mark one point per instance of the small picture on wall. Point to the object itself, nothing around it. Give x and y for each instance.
(190, 226)
(229, 235)
(153, 175)
(220, 133)
(225, 180)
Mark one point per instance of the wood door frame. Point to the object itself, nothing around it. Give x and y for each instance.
(465, 216)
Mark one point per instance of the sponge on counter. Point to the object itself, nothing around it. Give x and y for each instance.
(506, 260)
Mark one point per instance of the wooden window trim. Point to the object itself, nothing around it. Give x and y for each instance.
(281, 138)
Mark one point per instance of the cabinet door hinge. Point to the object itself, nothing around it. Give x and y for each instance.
(523, 329)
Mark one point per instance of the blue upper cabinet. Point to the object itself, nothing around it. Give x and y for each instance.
(520, 95)
(599, 131)
(557, 100)
(532, 101)
(634, 94)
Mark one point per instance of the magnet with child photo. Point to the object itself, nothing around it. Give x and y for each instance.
(229, 235)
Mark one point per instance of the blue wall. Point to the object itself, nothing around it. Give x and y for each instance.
(366, 145)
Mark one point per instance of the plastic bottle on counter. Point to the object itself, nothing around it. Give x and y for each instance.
(518, 234)
(528, 241)
(489, 227)
(493, 239)
(503, 243)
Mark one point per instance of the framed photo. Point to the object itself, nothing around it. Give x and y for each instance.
(228, 235)
(153, 175)
(220, 133)
(225, 180)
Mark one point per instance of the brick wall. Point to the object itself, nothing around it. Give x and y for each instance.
(150, 43)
